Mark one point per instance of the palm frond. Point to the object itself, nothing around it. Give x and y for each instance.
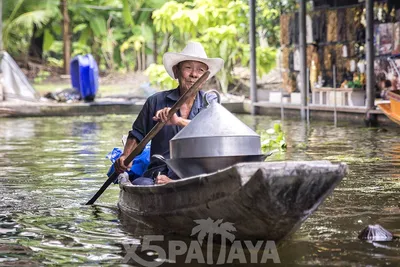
(28, 19)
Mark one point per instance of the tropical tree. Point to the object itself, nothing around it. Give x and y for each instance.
(220, 26)
(24, 18)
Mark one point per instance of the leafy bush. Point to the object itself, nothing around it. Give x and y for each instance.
(159, 77)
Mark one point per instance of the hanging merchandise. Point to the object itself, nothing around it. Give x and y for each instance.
(350, 50)
(284, 33)
(360, 33)
(327, 58)
(345, 51)
(319, 26)
(298, 82)
(385, 33)
(376, 39)
(339, 59)
(327, 77)
(361, 66)
(291, 60)
(315, 16)
(341, 28)
(309, 30)
(292, 29)
(339, 78)
(285, 57)
(315, 66)
(350, 30)
(321, 57)
(392, 16)
(396, 38)
(352, 65)
(310, 49)
(322, 27)
(296, 60)
(332, 26)
(291, 83)
(285, 79)
(296, 28)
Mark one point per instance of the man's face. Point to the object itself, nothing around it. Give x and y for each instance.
(188, 72)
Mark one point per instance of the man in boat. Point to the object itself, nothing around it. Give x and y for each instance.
(186, 67)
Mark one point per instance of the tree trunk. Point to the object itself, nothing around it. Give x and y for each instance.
(66, 36)
(143, 57)
(155, 53)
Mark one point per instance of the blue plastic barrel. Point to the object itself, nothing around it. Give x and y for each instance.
(85, 76)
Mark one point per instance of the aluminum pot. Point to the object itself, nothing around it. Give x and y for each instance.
(213, 140)
(187, 167)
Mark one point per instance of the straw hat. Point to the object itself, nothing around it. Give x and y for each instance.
(192, 51)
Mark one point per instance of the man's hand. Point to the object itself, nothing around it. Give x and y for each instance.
(162, 179)
(120, 166)
(162, 115)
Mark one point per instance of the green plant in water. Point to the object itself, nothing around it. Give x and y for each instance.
(273, 139)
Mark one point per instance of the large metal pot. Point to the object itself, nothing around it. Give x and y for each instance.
(213, 140)
(186, 167)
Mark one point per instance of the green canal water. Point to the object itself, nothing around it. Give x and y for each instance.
(49, 167)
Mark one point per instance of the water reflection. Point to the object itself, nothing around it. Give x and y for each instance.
(50, 166)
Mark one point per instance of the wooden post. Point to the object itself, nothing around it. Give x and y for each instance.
(370, 102)
(66, 36)
(253, 72)
(303, 58)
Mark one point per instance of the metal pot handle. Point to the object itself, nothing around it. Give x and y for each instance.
(211, 91)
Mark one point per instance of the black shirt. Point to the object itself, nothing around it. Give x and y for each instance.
(144, 122)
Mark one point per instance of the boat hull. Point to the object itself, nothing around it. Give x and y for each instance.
(392, 109)
(386, 108)
(263, 200)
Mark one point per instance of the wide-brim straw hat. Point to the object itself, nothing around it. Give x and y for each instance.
(192, 51)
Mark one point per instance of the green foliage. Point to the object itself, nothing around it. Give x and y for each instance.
(355, 84)
(19, 19)
(273, 139)
(121, 33)
(159, 77)
(219, 26)
(268, 19)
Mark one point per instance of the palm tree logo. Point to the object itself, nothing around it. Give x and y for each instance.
(211, 227)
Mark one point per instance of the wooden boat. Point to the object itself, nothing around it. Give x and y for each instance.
(392, 109)
(263, 200)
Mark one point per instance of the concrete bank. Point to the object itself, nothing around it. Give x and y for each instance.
(115, 106)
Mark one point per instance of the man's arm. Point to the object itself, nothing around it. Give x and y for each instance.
(131, 144)
(161, 115)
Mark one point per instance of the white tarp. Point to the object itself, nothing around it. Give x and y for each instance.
(14, 84)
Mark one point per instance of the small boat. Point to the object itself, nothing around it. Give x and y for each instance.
(392, 109)
(263, 200)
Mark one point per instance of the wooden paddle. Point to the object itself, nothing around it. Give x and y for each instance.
(138, 149)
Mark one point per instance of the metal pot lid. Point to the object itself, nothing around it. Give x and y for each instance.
(215, 120)
(215, 132)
